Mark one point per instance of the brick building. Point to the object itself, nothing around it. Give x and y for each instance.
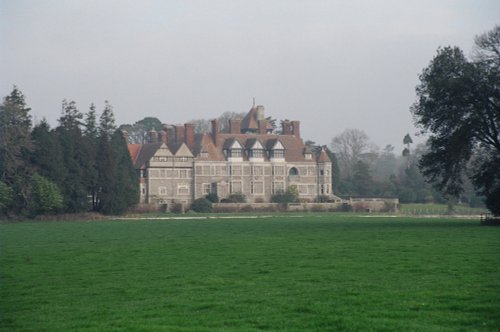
(177, 166)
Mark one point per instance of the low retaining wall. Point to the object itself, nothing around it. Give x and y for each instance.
(356, 205)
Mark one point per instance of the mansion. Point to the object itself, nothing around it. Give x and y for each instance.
(179, 166)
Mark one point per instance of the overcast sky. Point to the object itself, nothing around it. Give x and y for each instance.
(330, 64)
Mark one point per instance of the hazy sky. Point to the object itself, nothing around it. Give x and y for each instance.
(330, 64)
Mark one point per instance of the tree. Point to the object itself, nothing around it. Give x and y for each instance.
(47, 155)
(201, 205)
(362, 181)
(407, 141)
(138, 132)
(6, 196)
(45, 196)
(349, 146)
(15, 146)
(458, 104)
(70, 137)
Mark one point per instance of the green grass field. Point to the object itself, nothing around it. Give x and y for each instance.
(314, 273)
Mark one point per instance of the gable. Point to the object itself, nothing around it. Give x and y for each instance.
(163, 151)
(278, 146)
(183, 151)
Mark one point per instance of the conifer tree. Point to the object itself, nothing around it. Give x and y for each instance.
(70, 137)
(89, 152)
(47, 156)
(15, 146)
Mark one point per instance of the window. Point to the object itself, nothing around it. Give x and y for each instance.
(308, 156)
(235, 153)
(207, 188)
(257, 188)
(258, 170)
(235, 170)
(236, 187)
(278, 187)
(182, 189)
(279, 170)
(293, 171)
(321, 172)
(256, 153)
(183, 173)
(162, 190)
(278, 154)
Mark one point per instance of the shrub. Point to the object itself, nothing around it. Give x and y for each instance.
(236, 198)
(291, 195)
(177, 208)
(201, 205)
(45, 197)
(213, 197)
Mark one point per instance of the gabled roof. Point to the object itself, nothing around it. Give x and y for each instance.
(232, 143)
(323, 156)
(183, 151)
(146, 152)
(133, 150)
(253, 143)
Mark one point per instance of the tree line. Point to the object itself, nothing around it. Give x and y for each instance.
(81, 165)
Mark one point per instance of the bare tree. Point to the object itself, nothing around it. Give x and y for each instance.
(350, 146)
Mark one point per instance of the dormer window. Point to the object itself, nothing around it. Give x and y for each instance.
(308, 156)
(255, 150)
(234, 153)
(256, 153)
(277, 152)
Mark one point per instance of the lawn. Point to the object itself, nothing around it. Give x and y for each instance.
(312, 273)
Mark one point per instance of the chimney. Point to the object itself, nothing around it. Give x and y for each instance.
(260, 112)
(262, 126)
(189, 135)
(215, 131)
(235, 126)
(153, 136)
(296, 128)
(179, 133)
(163, 136)
(286, 128)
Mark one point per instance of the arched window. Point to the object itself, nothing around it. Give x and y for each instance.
(293, 171)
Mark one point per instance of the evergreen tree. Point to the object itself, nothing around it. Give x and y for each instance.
(15, 146)
(118, 182)
(362, 181)
(47, 156)
(70, 137)
(107, 121)
(89, 153)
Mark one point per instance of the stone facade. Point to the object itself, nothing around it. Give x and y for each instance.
(177, 166)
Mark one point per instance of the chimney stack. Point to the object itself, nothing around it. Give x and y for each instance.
(179, 133)
(164, 136)
(153, 136)
(235, 126)
(215, 131)
(189, 135)
(286, 128)
(296, 128)
(262, 126)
